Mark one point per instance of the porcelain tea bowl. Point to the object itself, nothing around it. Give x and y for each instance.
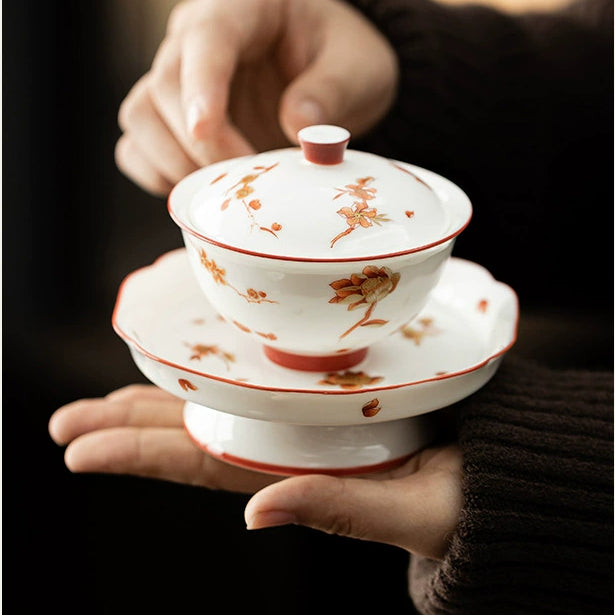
(321, 251)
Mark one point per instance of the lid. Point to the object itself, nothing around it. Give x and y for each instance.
(320, 202)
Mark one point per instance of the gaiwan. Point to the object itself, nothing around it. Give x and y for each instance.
(318, 251)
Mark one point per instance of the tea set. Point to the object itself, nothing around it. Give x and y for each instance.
(315, 318)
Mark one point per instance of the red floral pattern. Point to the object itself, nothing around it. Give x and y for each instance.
(202, 350)
(186, 385)
(242, 190)
(371, 408)
(350, 380)
(366, 288)
(360, 214)
(423, 327)
(251, 295)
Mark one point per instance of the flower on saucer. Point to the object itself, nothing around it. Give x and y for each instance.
(350, 380)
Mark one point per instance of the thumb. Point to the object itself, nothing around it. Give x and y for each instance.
(340, 86)
(398, 512)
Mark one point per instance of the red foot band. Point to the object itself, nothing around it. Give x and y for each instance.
(308, 363)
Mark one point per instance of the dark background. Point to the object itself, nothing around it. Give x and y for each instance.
(73, 227)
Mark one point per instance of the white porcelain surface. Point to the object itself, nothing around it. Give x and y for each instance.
(279, 204)
(180, 343)
(318, 259)
(278, 448)
(321, 309)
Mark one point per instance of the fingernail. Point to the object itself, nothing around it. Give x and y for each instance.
(270, 518)
(312, 111)
(196, 112)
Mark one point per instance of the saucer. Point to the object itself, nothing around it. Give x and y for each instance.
(246, 410)
(449, 351)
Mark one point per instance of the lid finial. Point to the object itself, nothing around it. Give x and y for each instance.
(323, 143)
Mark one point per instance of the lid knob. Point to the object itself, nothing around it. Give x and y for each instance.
(323, 144)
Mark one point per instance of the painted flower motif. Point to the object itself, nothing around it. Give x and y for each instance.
(255, 295)
(366, 288)
(369, 286)
(350, 380)
(203, 350)
(360, 214)
(219, 275)
(267, 336)
(416, 332)
(359, 190)
(242, 189)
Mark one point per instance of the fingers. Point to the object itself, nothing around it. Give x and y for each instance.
(163, 90)
(149, 152)
(230, 77)
(148, 132)
(136, 165)
(138, 430)
(351, 80)
(163, 453)
(157, 149)
(136, 405)
(417, 512)
(215, 38)
(210, 52)
(205, 77)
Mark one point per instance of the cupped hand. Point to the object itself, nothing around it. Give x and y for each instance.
(415, 506)
(232, 78)
(138, 430)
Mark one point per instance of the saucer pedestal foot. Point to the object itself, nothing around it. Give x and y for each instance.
(287, 449)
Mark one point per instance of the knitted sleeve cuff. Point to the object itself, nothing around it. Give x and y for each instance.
(536, 531)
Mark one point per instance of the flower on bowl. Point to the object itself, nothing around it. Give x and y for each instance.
(318, 252)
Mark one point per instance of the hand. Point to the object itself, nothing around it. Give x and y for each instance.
(415, 507)
(139, 430)
(232, 78)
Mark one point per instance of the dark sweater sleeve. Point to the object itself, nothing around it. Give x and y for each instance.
(517, 110)
(484, 92)
(536, 530)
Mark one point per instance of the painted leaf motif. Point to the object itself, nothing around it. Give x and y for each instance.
(371, 408)
(186, 385)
